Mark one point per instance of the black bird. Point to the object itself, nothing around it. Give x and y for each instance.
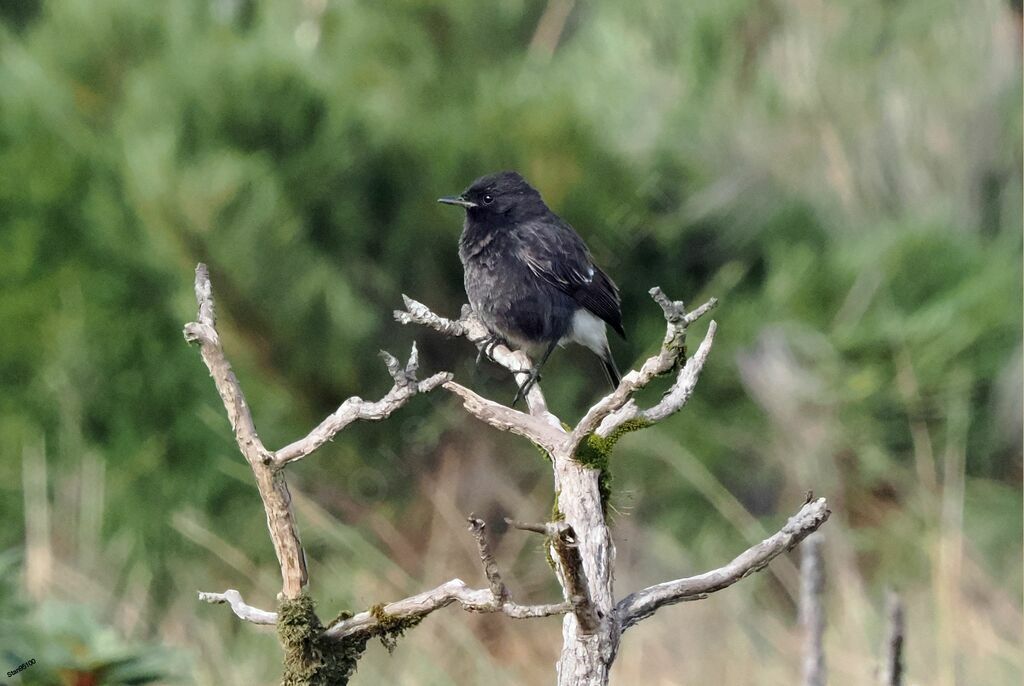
(530, 277)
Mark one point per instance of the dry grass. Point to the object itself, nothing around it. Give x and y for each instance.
(963, 625)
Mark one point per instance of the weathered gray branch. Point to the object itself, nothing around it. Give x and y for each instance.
(812, 609)
(570, 569)
(495, 598)
(470, 327)
(273, 490)
(471, 600)
(355, 408)
(608, 413)
(419, 605)
(505, 418)
(618, 407)
(265, 464)
(642, 604)
(245, 612)
(479, 531)
(892, 665)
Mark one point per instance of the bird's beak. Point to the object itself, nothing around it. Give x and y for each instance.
(457, 200)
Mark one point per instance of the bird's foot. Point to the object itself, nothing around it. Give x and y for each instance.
(524, 389)
(487, 349)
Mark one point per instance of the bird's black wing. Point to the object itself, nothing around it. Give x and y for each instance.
(554, 252)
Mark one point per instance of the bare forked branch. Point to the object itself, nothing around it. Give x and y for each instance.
(470, 327)
(495, 598)
(204, 332)
(570, 569)
(618, 407)
(266, 464)
(272, 487)
(355, 408)
(608, 413)
(642, 604)
(472, 600)
(505, 418)
(420, 605)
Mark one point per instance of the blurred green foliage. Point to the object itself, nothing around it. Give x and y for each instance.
(68, 646)
(846, 179)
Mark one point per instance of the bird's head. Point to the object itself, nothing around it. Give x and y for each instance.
(500, 197)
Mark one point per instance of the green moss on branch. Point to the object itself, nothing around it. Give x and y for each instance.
(595, 452)
(390, 628)
(310, 657)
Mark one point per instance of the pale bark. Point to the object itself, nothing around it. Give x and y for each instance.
(580, 541)
(891, 673)
(812, 609)
(590, 639)
(266, 465)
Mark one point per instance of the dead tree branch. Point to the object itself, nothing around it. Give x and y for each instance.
(610, 412)
(569, 568)
(247, 613)
(484, 600)
(472, 329)
(812, 609)
(472, 600)
(580, 541)
(272, 488)
(613, 407)
(642, 604)
(266, 465)
(892, 666)
(479, 531)
(592, 631)
(532, 426)
(354, 409)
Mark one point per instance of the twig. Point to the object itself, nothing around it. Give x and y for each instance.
(570, 569)
(272, 488)
(616, 408)
(495, 598)
(550, 27)
(642, 604)
(892, 667)
(470, 327)
(355, 408)
(479, 531)
(505, 418)
(812, 609)
(265, 464)
(472, 600)
(238, 606)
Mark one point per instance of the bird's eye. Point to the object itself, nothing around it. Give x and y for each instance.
(488, 199)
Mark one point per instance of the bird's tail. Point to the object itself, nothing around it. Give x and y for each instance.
(610, 370)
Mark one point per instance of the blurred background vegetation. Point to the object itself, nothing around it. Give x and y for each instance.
(845, 177)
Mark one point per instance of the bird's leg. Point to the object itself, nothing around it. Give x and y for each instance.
(487, 349)
(534, 374)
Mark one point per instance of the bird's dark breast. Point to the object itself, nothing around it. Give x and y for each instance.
(510, 299)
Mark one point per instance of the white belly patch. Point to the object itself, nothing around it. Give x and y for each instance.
(588, 330)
